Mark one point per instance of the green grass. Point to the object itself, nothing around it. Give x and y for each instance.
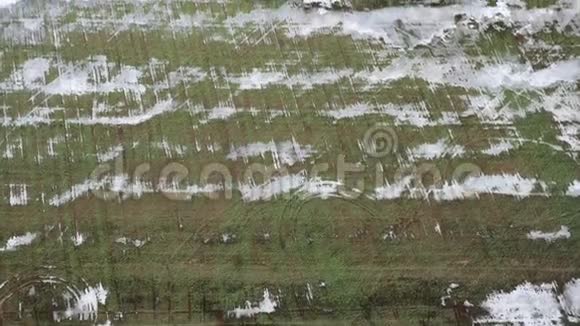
(185, 273)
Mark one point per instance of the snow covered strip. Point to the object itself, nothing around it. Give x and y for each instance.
(530, 304)
(121, 188)
(424, 23)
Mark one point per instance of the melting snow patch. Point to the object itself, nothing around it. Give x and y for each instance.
(437, 150)
(448, 293)
(393, 190)
(318, 188)
(221, 113)
(78, 239)
(267, 305)
(12, 147)
(272, 188)
(31, 74)
(76, 80)
(7, 3)
(18, 195)
(119, 187)
(509, 185)
(286, 153)
(309, 295)
(83, 305)
(473, 186)
(51, 145)
(491, 77)
(76, 191)
(415, 114)
(228, 237)
(136, 243)
(497, 149)
(307, 80)
(110, 154)
(527, 304)
(183, 75)
(570, 300)
(396, 24)
(574, 189)
(169, 149)
(326, 4)
(390, 235)
(285, 184)
(18, 241)
(136, 118)
(438, 229)
(563, 233)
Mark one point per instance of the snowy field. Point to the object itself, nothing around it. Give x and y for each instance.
(398, 162)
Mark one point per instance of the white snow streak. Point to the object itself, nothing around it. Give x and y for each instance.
(472, 186)
(436, 150)
(499, 148)
(17, 241)
(283, 153)
(562, 233)
(267, 306)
